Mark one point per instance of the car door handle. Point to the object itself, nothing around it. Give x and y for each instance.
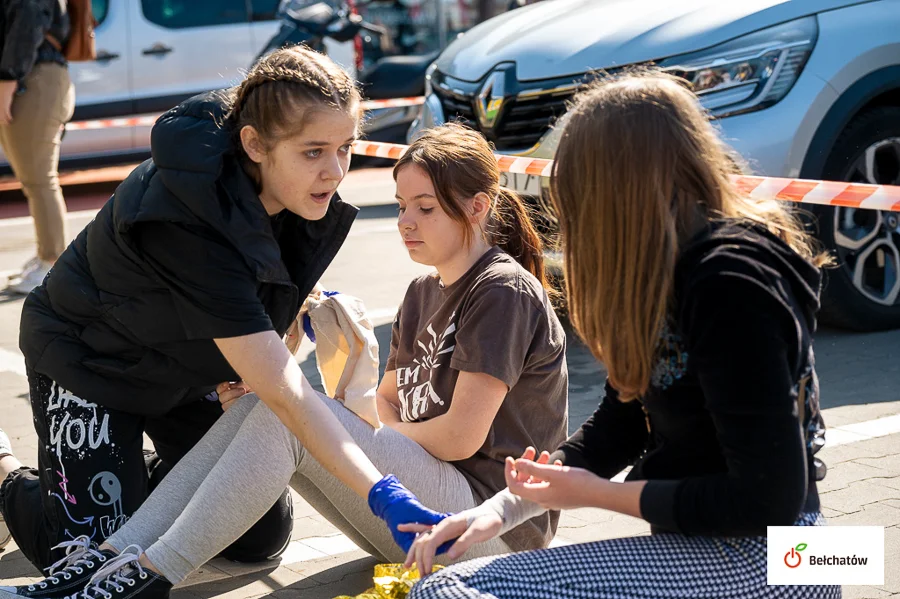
(104, 56)
(156, 49)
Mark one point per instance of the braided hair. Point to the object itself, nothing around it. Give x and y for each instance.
(278, 88)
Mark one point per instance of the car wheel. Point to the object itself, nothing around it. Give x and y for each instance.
(863, 291)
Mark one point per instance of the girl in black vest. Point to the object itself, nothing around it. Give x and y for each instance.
(701, 303)
(189, 276)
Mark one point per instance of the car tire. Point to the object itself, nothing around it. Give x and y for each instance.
(862, 292)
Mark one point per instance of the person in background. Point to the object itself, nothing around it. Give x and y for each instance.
(36, 100)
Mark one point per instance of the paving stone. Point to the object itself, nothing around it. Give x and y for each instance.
(618, 526)
(830, 513)
(845, 453)
(314, 567)
(858, 494)
(261, 584)
(892, 556)
(884, 446)
(301, 507)
(863, 592)
(351, 584)
(875, 514)
(890, 464)
(14, 566)
(237, 569)
(841, 475)
(207, 573)
(312, 526)
(585, 515)
(854, 413)
(365, 565)
(335, 544)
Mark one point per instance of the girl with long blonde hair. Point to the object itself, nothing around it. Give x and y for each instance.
(701, 304)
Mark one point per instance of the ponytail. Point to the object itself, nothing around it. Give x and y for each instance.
(512, 228)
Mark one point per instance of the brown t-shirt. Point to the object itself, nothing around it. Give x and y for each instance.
(497, 320)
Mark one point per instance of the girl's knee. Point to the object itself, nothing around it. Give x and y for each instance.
(267, 425)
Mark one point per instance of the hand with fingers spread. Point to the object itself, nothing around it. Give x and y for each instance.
(456, 534)
(512, 475)
(554, 486)
(230, 392)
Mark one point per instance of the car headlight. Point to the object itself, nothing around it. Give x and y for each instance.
(748, 73)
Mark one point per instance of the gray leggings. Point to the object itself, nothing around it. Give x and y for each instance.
(241, 467)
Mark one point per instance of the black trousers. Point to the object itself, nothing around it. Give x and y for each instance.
(93, 474)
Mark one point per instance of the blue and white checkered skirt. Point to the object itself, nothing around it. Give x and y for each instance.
(665, 565)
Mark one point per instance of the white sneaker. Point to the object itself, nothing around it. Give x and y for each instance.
(30, 279)
(26, 268)
(5, 536)
(5, 449)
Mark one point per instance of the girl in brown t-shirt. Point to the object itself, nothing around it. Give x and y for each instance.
(477, 368)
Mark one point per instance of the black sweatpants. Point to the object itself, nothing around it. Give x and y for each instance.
(92, 474)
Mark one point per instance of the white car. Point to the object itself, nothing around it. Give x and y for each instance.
(152, 54)
(801, 88)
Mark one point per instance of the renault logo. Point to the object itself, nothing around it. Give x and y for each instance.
(490, 99)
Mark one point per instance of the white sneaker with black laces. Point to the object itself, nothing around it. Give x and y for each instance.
(67, 576)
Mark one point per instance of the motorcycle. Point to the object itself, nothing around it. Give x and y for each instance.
(387, 78)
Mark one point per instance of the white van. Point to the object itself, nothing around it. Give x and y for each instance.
(152, 54)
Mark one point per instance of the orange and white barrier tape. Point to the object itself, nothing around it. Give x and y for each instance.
(136, 121)
(508, 164)
(149, 120)
(393, 103)
(825, 193)
(379, 149)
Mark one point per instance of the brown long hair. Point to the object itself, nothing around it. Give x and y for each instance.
(280, 94)
(461, 163)
(638, 170)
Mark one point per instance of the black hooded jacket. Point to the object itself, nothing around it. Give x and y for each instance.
(726, 434)
(181, 254)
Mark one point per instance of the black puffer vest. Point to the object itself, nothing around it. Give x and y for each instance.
(104, 326)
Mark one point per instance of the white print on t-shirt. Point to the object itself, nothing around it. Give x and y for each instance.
(414, 400)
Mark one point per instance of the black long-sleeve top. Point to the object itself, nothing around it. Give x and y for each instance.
(23, 25)
(719, 436)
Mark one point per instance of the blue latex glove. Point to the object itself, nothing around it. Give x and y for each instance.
(395, 504)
